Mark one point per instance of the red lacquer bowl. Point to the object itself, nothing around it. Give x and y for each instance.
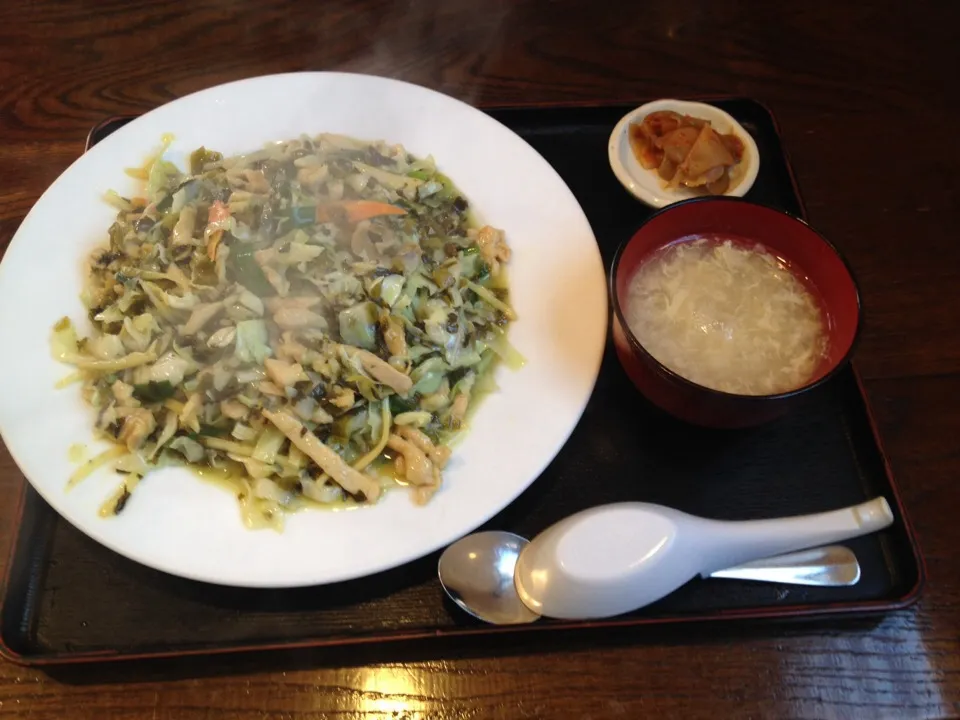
(810, 255)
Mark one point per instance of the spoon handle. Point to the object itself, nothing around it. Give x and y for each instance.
(727, 544)
(831, 566)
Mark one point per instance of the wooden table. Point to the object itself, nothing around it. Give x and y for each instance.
(866, 100)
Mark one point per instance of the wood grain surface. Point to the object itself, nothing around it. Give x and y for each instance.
(867, 99)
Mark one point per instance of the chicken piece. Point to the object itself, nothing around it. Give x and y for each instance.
(233, 409)
(292, 318)
(183, 230)
(169, 430)
(321, 416)
(189, 414)
(394, 335)
(381, 371)
(213, 242)
(222, 337)
(201, 315)
(493, 247)
(256, 182)
(418, 470)
(437, 400)
(275, 304)
(279, 282)
(458, 411)
(354, 482)
(274, 276)
(124, 393)
(105, 347)
(439, 456)
(283, 373)
(312, 176)
(422, 495)
(289, 349)
(268, 387)
(137, 426)
(343, 398)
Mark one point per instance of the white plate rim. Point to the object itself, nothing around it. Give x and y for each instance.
(595, 340)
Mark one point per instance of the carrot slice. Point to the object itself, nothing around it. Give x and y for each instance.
(357, 210)
(218, 212)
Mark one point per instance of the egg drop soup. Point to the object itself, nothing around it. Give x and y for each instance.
(728, 316)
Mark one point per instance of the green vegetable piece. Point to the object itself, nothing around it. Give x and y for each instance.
(443, 278)
(252, 344)
(162, 178)
(345, 426)
(390, 288)
(117, 233)
(400, 405)
(205, 272)
(200, 157)
(358, 325)
(449, 189)
(243, 268)
(212, 431)
(208, 431)
(483, 273)
(303, 216)
(268, 445)
(153, 391)
(188, 447)
(428, 376)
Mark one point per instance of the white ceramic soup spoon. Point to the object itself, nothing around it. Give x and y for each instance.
(616, 558)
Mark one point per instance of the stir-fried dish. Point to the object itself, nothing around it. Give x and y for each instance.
(310, 322)
(687, 152)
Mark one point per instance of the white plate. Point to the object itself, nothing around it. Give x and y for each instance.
(645, 184)
(184, 526)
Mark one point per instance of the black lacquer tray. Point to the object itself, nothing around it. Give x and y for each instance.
(67, 599)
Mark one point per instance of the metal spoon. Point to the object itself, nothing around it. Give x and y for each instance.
(477, 573)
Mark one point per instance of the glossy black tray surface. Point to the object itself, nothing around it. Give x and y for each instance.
(67, 599)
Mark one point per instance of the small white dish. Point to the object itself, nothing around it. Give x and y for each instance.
(646, 185)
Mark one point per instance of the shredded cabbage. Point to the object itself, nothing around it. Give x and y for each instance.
(287, 319)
